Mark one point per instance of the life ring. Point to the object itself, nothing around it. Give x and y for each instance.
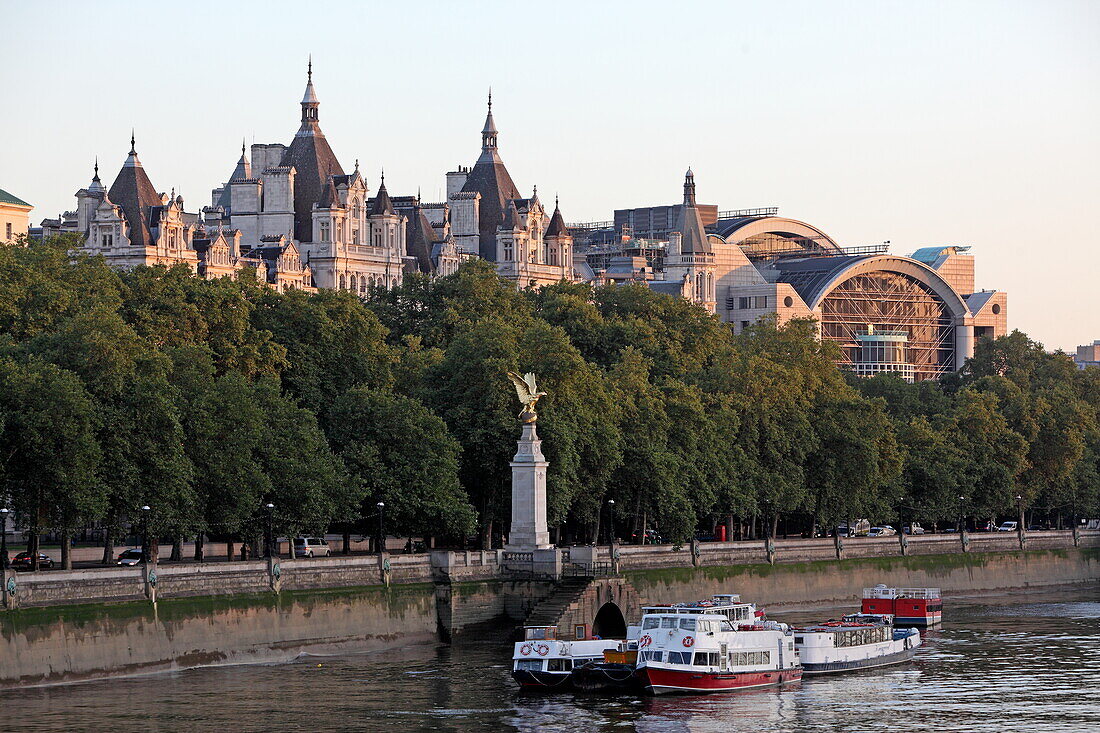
(525, 649)
(645, 641)
(543, 650)
(689, 641)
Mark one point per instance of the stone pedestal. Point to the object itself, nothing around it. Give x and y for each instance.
(528, 531)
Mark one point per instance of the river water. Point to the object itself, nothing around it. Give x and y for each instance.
(1014, 663)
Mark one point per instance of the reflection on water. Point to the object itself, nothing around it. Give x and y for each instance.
(997, 664)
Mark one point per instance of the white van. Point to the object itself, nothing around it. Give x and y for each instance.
(310, 547)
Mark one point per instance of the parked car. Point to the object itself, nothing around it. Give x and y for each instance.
(1007, 527)
(915, 528)
(22, 561)
(651, 537)
(310, 547)
(884, 531)
(1035, 528)
(129, 558)
(860, 527)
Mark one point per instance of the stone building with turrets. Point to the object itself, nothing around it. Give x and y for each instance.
(492, 220)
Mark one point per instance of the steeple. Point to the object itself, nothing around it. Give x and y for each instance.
(382, 206)
(489, 132)
(689, 188)
(309, 99)
(244, 168)
(557, 226)
(132, 159)
(96, 185)
(693, 238)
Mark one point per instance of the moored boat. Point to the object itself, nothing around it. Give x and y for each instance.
(857, 641)
(542, 661)
(614, 672)
(720, 645)
(908, 606)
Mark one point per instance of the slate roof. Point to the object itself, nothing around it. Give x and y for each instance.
(242, 172)
(330, 199)
(491, 179)
(557, 226)
(135, 194)
(314, 161)
(7, 198)
(381, 205)
(419, 239)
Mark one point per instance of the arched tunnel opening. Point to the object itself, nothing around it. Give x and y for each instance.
(609, 622)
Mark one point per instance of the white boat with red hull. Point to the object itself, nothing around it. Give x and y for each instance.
(721, 645)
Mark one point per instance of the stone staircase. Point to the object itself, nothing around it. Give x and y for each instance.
(567, 592)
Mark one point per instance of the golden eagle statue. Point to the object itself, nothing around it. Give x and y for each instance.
(528, 393)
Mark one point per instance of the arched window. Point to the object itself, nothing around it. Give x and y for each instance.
(343, 282)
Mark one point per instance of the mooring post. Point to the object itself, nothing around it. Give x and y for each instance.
(384, 567)
(903, 540)
(274, 574)
(149, 576)
(695, 552)
(769, 547)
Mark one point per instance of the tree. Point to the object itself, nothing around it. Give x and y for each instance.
(395, 450)
(48, 450)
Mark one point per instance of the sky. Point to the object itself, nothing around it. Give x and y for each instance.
(930, 123)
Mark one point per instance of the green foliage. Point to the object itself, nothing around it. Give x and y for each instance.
(208, 399)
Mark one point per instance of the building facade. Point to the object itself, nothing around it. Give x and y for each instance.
(918, 316)
(492, 220)
(1087, 355)
(15, 216)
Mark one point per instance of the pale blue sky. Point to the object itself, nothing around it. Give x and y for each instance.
(920, 123)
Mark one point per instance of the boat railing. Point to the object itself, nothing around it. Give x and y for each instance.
(927, 593)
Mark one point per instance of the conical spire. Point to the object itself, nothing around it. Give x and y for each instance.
(132, 159)
(515, 221)
(557, 226)
(243, 170)
(693, 237)
(489, 132)
(96, 186)
(309, 99)
(382, 206)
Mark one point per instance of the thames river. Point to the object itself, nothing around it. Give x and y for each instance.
(1023, 663)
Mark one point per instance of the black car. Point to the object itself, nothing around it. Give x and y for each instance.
(22, 561)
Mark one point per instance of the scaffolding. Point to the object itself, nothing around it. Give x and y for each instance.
(890, 302)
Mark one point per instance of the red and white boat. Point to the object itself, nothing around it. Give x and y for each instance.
(908, 606)
(720, 645)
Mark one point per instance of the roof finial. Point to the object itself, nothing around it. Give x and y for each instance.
(418, 195)
(383, 175)
(242, 147)
(534, 191)
(356, 165)
(309, 73)
(96, 169)
(555, 201)
(490, 98)
(133, 150)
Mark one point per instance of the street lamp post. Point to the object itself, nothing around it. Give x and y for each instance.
(1020, 523)
(268, 537)
(145, 534)
(4, 538)
(381, 527)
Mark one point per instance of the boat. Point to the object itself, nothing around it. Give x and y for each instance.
(908, 606)
(542, 661)
(857, 641)
(718, 645)
(614, 672)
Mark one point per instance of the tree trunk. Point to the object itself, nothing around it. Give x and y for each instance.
(108, 544)
(775, 525)
(66, 550)
(347, 542)
(200, 555)
(32, 547)
(486, 538)
(229, 551)
(645, 523)
(177, 549)
(154, 549)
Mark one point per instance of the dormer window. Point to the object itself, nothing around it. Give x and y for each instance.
(107, 241)
(324, 231)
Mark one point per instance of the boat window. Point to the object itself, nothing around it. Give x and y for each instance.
(689, 624)
(679, 657)
(707, 659)
(799, 640)
(726, 626)
(668, 622)
(529, 665)
(559, 665)
(651, 622)
(741, 659)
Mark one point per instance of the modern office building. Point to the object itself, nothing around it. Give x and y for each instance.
(1087, 355)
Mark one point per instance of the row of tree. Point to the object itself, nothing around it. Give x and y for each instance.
(205, 400)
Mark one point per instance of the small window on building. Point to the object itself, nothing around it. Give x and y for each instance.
(8, 228)
(108, 240)
(744, 303)
(760, 301)
(580, 632)
(788, 302)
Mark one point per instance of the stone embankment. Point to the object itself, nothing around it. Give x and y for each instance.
(167, 580)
